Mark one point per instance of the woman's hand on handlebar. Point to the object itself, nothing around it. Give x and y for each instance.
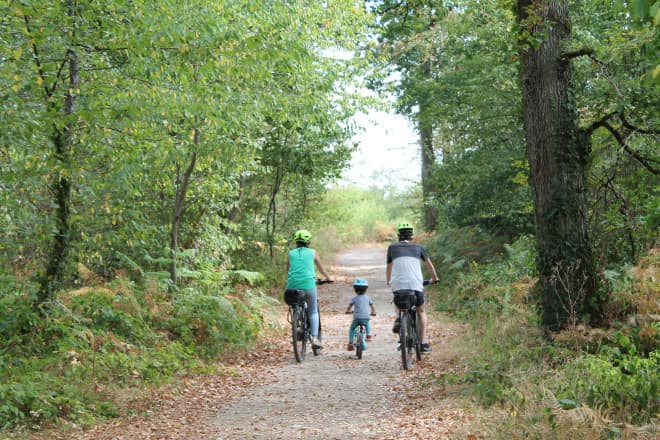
(325, 281)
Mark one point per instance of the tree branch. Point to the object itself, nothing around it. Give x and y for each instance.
(599, 123)
(631, 127)
(644, 161)
(576, 53)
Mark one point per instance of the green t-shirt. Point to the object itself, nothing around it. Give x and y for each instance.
(301, 269)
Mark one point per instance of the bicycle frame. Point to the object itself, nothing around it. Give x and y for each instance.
(300, 332)
(409, 337)
(300, 327)
(360, 340)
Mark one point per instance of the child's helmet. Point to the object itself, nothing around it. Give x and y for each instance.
(360, 285)
(302, 236)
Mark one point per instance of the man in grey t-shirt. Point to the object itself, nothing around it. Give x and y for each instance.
(404, 272)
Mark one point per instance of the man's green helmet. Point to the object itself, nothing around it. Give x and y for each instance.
(405, 231)
(302, 236)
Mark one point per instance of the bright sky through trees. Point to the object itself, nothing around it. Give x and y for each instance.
(388, 152)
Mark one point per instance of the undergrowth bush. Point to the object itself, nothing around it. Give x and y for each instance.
(609, 376)
(212, 323)
(68, 362)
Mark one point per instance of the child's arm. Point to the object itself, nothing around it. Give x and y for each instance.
(373, 310)
(348, 309)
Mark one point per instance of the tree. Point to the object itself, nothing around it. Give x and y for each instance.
(400, 25)
(557, 152)
(132, 149)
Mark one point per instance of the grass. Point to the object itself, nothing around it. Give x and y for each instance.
(583, 383)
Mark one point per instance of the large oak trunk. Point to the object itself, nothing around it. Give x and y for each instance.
(557, 157)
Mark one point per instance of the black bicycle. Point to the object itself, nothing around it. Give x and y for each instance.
(409, 335)
(299, 318)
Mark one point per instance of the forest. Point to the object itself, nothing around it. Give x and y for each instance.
(156, 158)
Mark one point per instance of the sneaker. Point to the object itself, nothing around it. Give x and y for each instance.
(426, 348)
(316, 342)
(397, 325)
(349, 347)
(370, 338)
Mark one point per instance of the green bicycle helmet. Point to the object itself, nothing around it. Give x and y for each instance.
(405, 230)
(302, 236)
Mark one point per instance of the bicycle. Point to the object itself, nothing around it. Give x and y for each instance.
(360, 338)
(298, 317)
(409, 337)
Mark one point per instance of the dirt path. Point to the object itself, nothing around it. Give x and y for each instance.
(337, 396)
(267, 395)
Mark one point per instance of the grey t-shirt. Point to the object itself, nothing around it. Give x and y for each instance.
(361, 309)
(406, 268)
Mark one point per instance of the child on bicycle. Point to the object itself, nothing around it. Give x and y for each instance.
(363, 306)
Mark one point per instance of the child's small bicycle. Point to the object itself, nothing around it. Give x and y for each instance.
(360, 340)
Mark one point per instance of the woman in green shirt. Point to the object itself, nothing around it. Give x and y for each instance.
(301, 275)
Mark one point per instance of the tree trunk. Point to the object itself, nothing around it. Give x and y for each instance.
(557, 156)
(428, 190)
(272, 210)
(428, 160)
(179, 208)
(63, 142)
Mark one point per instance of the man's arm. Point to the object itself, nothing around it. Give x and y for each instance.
(388, 273)
(431, 268)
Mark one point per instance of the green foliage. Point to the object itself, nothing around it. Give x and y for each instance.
(212, 323)
(618, 378)
(67, 362)
(458, 76)
(357, 215)
(514, 366)
(176, 120)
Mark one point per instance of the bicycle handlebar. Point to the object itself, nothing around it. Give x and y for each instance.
(320, 281)
(427, 282)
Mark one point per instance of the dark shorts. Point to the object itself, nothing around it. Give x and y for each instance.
(418, 294)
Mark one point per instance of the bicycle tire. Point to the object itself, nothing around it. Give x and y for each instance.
(417, 339)
(405, 346)
(360, 344)
(317, 351)
(299, 334)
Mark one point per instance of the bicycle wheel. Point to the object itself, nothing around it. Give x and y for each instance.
(298, 334)
(317, 351)
(359, 344)
(404, 341)
(417, 339)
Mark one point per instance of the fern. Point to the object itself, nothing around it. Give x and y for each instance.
(129, 263)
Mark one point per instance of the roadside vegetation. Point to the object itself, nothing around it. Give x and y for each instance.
(582, 382)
